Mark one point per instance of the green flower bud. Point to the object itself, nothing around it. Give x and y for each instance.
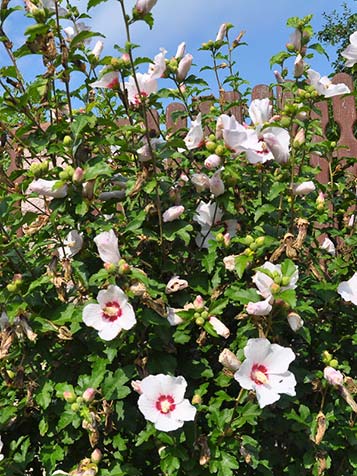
(200, 321)
(333, 363)
(67, 141)
(260, 241)
(285, 281)
(211, 146)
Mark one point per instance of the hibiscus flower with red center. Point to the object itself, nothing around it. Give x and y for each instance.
(162, 402)
(111, 315)
(265, 370)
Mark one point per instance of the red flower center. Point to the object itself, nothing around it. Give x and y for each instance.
(165, 404)
(138, 97)
(114, 83)
(259, 374)
(111, 311)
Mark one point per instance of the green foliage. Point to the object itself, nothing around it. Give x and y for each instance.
(244, 237)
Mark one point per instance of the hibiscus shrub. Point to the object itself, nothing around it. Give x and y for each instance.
(173, 301)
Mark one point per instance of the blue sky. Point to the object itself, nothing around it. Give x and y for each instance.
(197, 21)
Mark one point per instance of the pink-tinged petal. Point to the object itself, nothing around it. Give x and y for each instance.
(47, 188)
(350, 53)
(112, 293)
(184, 411)
(107, 244)
(109, 331)
(162, 402)
(167, 422)
(261, 308)
(127, 320)
(266, 395)
(333, 376)
(277, 140)
(283, 383)
(107, 81)
(158, 68)
(111, 315)
(258, 156)
(194, 137)
(173, 213)
(220, 328)
(263, 283)
(257, 350)
(145, 6)
(304, 188)
(161, 384)
(92, 316)
(173, 318)
(324, 86)
(184, 67)
(147, 406)
(243, 375)
(278, 359)
(348, 289)
(216, 184)
(260, 111)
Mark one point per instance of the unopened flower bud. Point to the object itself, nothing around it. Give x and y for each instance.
(333, 376)
(222, 32)
(221, 329)
(299, 139)
(96, 456)
(295, 321)
(110, 267)
(196, 399)
(89, 394)
(216, 184)
(184, 67)
(299, 66)
(136, 386)
(180, 50)
(278, 77)
(230, 262)
(98, 48)
(229, 360)
(88, 189)
(144, 6)
(78, 174)
(326, 357)
(320, 201)
(213, 161)
(304, 188)
(69, 396)
(226, 239)
(173, 213)
(199, 302)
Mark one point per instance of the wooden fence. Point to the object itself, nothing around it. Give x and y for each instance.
(343, 114)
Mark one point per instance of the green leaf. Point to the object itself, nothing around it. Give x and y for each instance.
(288, 296)
(242, 296)
(276, 190)
(81, 208)
(94, 3)
(279, 58)
(113, 387)
(320, 49)
(241, 263)
(43, 397)
(288, 268)
(263, 210)
(83, 35)
(36, 30)
(137, 222)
